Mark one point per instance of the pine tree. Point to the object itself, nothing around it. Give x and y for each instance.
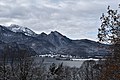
(109, 32)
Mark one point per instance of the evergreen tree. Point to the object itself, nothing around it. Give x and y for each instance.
(109, 32)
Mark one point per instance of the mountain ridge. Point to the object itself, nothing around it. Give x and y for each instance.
(54, 42)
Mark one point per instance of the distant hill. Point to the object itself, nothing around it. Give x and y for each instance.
(54, 42)
(16, 50)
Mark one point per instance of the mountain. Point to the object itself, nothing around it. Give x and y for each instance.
(58, 39)
(25, 30)
(40, 46)
(14, 49)
(54, 42)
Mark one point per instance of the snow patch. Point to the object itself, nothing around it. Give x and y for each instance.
(17, 28)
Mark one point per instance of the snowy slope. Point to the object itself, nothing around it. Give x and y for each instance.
(25, 30)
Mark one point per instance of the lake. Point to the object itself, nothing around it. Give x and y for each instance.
(48, 61)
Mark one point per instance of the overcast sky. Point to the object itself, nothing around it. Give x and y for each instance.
(76, 19)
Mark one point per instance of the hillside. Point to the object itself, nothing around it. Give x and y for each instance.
(54, 42)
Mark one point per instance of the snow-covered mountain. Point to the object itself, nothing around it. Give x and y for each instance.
(54, 42)
(25, 30)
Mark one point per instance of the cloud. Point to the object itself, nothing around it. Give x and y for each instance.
(74, 18)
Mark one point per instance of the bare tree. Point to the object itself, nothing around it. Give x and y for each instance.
(3, 63)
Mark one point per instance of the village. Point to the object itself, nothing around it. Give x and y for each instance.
(67, 57)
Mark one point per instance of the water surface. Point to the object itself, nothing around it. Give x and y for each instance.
(48, 61)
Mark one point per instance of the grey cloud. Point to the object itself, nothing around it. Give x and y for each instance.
(74, 18)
